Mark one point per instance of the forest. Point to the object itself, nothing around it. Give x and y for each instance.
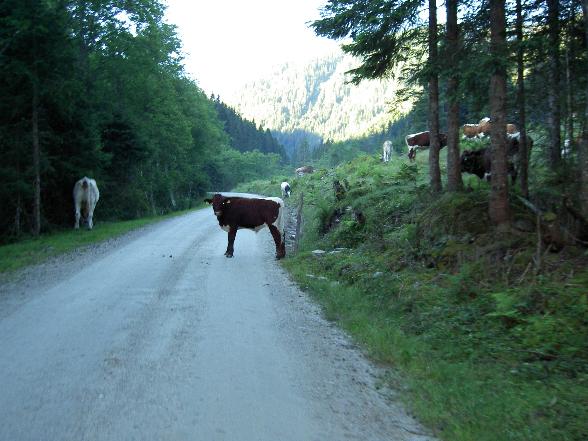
(517, 62)
(98, 88)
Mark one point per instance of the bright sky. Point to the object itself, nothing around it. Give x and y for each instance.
(230, 42)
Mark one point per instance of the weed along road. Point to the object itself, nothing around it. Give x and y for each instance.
(158, 336)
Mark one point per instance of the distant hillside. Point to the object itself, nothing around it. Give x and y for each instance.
(246, 135)
(313, 101)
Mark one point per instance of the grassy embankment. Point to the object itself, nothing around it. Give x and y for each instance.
(30, 251)
(488, 343)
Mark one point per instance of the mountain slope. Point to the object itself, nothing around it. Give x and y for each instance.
(245, 135)
(315, 98)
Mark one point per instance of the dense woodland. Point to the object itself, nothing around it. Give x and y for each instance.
(245, 135)
(522, 62)
(97, 88)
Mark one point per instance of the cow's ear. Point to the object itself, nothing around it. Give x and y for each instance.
(208, 201)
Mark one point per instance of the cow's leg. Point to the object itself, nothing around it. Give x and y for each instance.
(280, 245)
(90, 216)
(412, 153)
(232, 235)
(77, 212)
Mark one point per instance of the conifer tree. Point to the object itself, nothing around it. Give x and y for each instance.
(522, 119)
(583, 147)
(434, 170)
(499, 208)
(454, 181)
(553, 86)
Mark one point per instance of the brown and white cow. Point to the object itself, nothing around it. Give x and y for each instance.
(304, 170)
(483, 129)
(471, 130)
(421, 141)
(234, 213)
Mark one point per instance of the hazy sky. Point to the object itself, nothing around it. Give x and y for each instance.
(229, 42)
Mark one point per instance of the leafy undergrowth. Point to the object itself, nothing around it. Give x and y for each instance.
(490, 341)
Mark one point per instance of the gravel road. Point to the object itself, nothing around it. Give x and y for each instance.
(158, 336)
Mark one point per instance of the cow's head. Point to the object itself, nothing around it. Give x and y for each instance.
(219, 202)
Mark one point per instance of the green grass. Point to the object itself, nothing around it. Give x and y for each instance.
(461, 380)
(32, 251)
(483, 348)
(263, 187)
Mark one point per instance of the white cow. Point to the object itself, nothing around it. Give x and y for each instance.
(285, 189)
(387, 151)
(86, 195)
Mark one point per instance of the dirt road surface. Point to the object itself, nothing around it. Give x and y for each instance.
(158, 336)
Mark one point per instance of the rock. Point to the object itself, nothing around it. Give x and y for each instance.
(318, 253)
(377, 274)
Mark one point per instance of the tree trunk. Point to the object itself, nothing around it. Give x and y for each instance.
(36, 161)
(569, 50)
(434, 170)
(454, 182)
(569, 103)
(553, 89)
(499, 207)
(523, 148)
(583, 147)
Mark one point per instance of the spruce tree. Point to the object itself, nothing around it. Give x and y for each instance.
(454, 181)
(499, 208)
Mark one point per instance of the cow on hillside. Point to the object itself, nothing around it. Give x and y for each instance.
(471, 131)
(285, 189)
(479, 162)
(307, 169)
(421, 141)
(483, 129)
(234, 213)
(85, 195)
(387, 151)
